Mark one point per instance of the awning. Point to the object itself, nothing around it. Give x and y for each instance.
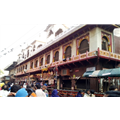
(105, 73)
(87, 74)
(95, 73)
(115, 72)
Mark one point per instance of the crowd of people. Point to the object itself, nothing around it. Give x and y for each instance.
(38, 90)
(25, 90)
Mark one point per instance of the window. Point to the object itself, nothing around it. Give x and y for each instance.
(48, 59)
(56, 56)
(36, 63)
(68, 52)
(84, 46)
(41, 63)
(58, 32)
(34, 48)
(39, 46)
(104, 43)
(50, 33)
(31, 65)
(28, 53)
(26, 67)
(23, 55)
(23, 67)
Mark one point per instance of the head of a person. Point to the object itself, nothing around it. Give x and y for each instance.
(54, 93)
(6, 87)
(22, 93)
(92, 91)
(44, 87)
(29, 91)
(88, 91)
(38, 86)
(113, 88)
(15, 88)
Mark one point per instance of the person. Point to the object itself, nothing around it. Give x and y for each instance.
(92, 93)
(80, 93)
(21, 93)
(87, 93)
(44, 88)
(54, 93)
(113, 88)
(4, 92)
(31, 92)
(39, 92)
(113, 91)
(14, 90)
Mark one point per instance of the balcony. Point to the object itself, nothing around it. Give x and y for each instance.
(85, 56)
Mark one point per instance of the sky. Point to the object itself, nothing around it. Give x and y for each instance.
(14, 35)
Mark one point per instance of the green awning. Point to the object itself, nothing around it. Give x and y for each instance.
(115, 72)
(105, 73)
(95, 73)
(88, 73)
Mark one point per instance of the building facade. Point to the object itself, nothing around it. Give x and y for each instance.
(67, 54)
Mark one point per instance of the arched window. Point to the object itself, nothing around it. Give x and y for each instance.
(26, 67)
(68, 52)
(48, 59)
(23, 55)
(36, 63)
(104, 43)
(34, 48)
(84, 46)
(41, 62)
(28, 53)
(50, 33)
(31, 65)
(57, 56)
(58, 32)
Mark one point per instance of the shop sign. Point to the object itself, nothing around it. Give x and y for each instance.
(90, 69)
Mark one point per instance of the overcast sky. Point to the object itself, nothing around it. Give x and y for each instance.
(14, 35)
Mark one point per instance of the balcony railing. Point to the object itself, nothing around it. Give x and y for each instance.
(80, 57)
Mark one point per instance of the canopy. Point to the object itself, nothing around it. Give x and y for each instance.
(115, 72)
(105, 73)
(87, 74)
(95, 73)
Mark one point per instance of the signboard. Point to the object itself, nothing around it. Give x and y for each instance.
(90, 69)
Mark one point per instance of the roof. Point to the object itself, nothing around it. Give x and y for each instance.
(11, 66)
(36, 41)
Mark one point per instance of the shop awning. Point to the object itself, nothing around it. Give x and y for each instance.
(95, 73)
(115, 72)
(88, 73)
(105, 73)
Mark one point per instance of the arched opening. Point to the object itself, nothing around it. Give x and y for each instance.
(23, 67)
(68, 52)
(84, 46)
(50, 33)
(34, 48)
(28, 53)
(41, 62)
(31, 65)
(26, 67)
(56, 56)
(58, 32)
(23, 55)
(36, 63)
(104, 43)
(48, 59)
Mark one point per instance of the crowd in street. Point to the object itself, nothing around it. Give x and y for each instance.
(38, 90)
(26, 90)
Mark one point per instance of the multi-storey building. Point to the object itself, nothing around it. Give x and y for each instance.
(71, 52)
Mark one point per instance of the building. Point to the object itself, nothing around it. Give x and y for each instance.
(11, 68)
(68, 54)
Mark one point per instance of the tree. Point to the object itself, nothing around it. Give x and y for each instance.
(1, 72)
